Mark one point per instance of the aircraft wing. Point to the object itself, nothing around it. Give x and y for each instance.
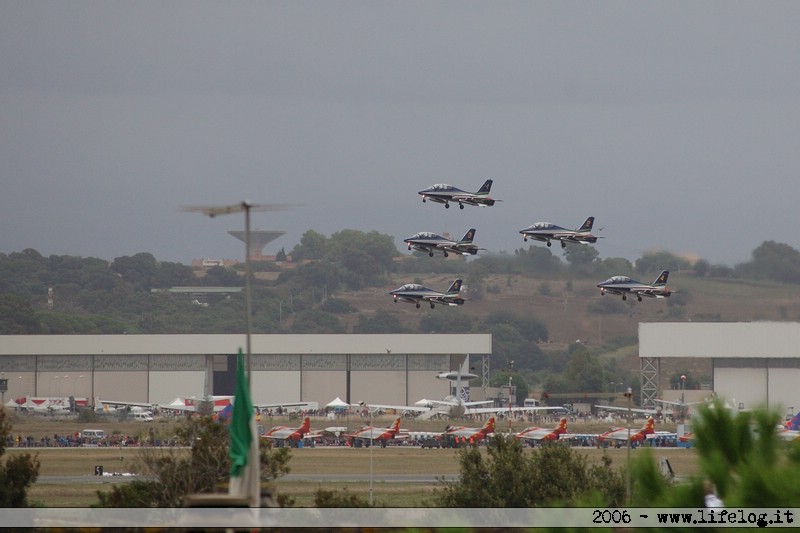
(463, 249)
(115, 403)
(300, 405)
(625, 409)
(502, 410)
(414, 408)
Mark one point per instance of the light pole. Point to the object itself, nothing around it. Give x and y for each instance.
(246, 207)
(614, 384)
(629, 395)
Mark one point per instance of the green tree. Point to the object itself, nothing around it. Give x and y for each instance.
(311, 247)
(17, 473)
(654, 262)
(17, 316)
(169, 475)
(551, 475)
(739, 452)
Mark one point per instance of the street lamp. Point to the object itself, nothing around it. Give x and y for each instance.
(245, 207)
(629, 396)
(614, 384)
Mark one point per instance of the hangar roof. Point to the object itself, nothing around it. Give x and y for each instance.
(720, 339)
(228, 344)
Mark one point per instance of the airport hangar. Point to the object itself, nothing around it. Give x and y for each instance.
(754, 364)
(377, 368)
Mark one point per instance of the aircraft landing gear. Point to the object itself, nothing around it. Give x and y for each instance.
(446, 205)
(417, 305)
(430, 253)
(445, 254)
(432, 306)
(461, 206)
(563, 244)
(549, 244)
(639, 298)
(624, 297)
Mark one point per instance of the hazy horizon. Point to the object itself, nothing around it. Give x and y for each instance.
(674, 124)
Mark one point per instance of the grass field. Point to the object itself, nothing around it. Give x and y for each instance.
(306, 461)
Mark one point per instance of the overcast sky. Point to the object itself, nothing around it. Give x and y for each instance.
(676, 124)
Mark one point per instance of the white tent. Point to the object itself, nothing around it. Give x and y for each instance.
(338, 403)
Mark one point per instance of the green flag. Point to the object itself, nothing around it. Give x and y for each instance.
(241, 427)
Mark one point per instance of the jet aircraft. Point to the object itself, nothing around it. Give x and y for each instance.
(790, 431)
(621, 434)
(121, 407)
(540, 434)
(545, 232)
(443, 193)
(624, 285)
(452, 406)
(472, 434)
(415, 293)
(285, 433)
(372, 434)
(430, 242)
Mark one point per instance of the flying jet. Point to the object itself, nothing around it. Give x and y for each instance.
(443, 193)
(471, 434)
(368, 434)
(624, 285)
(415, 293)
(430, 242)
(545, 232)
(540, 434)
(621, 434)
(285, 433)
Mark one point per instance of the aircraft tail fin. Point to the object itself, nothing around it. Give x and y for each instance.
(488, 427)
(485, 188)
(455, 287)
(650, 427)
(794, 423)
(396, 425)
(562, 426)
(306, 427)
(661, 280)
(587, 224)
(468, 236)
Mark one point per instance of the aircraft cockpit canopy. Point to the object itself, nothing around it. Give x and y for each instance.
(425, 235)
(411, 287)
(618, 279)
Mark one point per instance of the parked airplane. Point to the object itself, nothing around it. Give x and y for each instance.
(430, 242)
(791, 430)
(443, 193)
(621, 434)
(415, 293)
(47, 405)
(624, 285)
(451, 406)
(471, 434)
(204, 405)
(369, 434)
(545, 232)
(120, 407)
(637, 410)
(540, 434)
(285, 433)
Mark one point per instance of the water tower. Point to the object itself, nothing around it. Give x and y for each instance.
(258, 240)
